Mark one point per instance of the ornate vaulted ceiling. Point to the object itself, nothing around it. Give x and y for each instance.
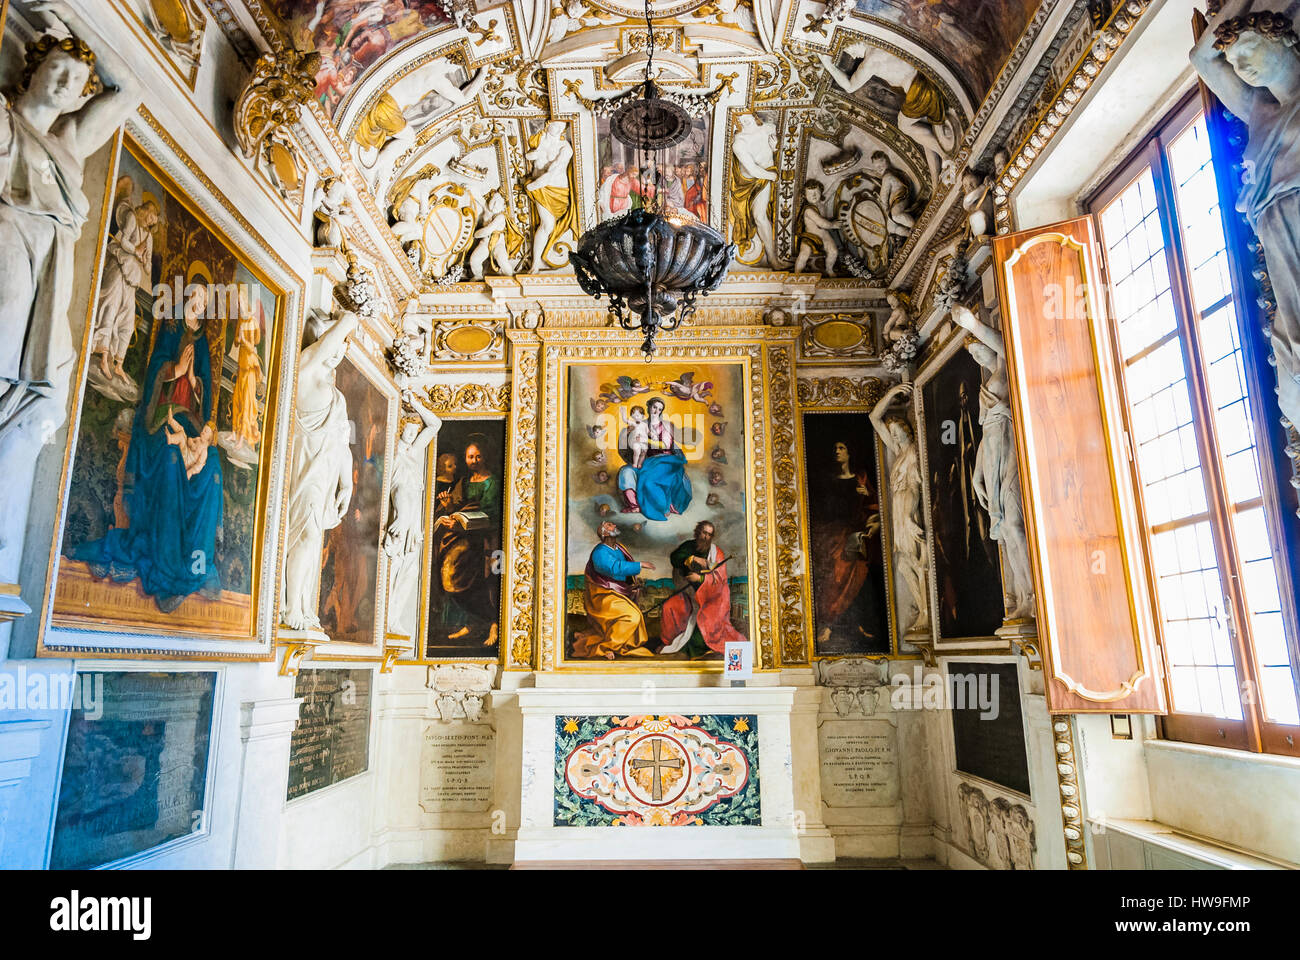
(825, 120)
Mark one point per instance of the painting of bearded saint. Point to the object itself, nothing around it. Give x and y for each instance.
(466, 561)
(656, 528)
(850, 599)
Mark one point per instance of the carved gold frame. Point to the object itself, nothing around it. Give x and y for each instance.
(153, 147)
(460, 402)
(535, 529)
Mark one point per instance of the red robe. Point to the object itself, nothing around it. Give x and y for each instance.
(713, 600)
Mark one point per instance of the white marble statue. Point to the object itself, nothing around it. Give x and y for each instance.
(899, 337)
(816, 230)
(490, 240)
(753, 179)
(404, 538)
(550, 192)
(925, 116)
(320, 471)
(61, 116)
(977, 201)
(997, 475)
(911, 554)
(1251, 62)
(333, 213)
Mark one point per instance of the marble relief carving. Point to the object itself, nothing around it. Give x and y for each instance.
(1000, 834)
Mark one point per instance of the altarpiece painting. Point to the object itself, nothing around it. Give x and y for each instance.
(657, 553)
(163, 527)
(661, 536)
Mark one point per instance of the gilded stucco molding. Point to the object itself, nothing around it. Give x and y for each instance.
(840, 392)
(521, 587)
(790, 571)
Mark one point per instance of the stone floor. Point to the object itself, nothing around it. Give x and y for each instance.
(689, 865)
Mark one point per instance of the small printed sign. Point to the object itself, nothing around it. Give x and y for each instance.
(738, 660)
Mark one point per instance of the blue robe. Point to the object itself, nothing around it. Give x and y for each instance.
(171, 542)
(662, 486)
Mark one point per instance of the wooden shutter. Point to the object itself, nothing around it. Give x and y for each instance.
(1086, 548)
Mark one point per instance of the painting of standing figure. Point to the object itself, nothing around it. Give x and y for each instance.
(466, 561)
(349, 580)
(967, 566)
(162, 527)
(657, 512)
(845, 543)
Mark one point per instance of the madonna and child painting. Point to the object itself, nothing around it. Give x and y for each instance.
(657, 532)
(166, 499)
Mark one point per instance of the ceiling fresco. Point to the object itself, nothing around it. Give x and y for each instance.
(480, 134)
(975, 36)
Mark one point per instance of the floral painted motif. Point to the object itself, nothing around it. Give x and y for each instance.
(657, 771)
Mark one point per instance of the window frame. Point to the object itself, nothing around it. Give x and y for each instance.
(1254, 732)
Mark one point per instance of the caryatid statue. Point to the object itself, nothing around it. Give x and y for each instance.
(551, 190)
(320, 471)
(997, 471)
(62, 114)
(911, 553)
(405, 535)
(1251, 62)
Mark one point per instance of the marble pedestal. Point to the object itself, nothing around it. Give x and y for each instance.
(789, 825)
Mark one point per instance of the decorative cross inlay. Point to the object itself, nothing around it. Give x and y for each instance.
(657, 763)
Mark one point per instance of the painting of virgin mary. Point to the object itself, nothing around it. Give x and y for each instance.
(653, 482)
(173, 481)
(163, 528)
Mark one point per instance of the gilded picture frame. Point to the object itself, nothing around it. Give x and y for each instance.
(103, 634)
(536, 579)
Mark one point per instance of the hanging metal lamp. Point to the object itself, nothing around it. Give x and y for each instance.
(653, 262)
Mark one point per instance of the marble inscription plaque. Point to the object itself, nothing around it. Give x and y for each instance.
(457, 763)
(859, 760)
(332, 740)
(991, 747)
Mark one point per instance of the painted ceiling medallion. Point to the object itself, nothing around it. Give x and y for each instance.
(658, 8)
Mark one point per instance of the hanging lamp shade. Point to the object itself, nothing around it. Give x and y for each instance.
(652, 263)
